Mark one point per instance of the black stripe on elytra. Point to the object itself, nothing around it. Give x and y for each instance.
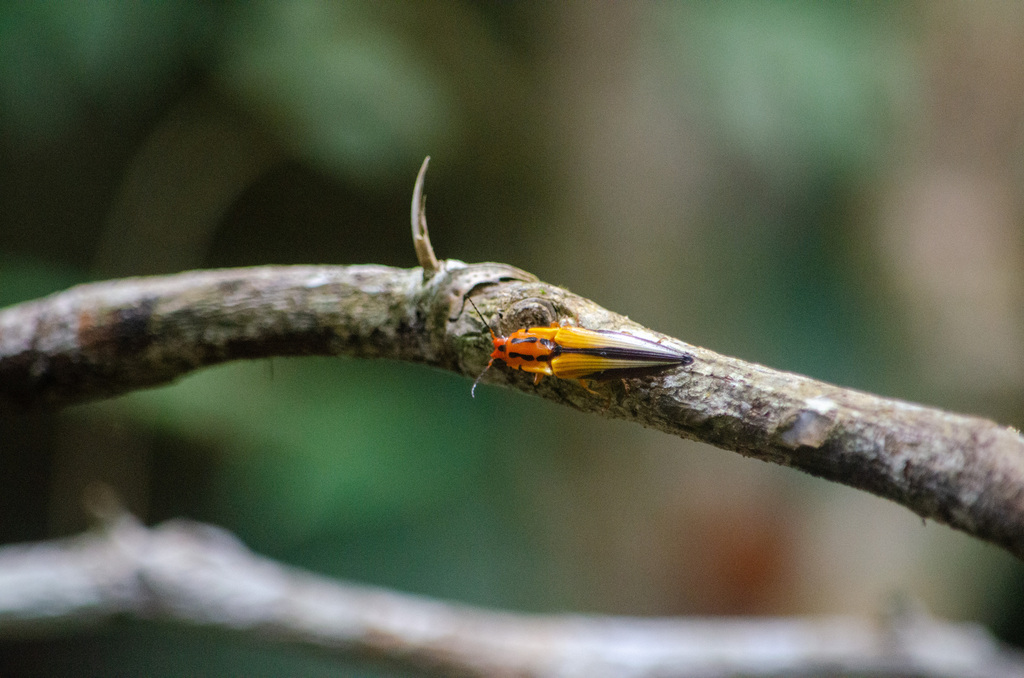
(631, 354)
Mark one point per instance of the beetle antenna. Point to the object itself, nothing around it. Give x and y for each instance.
(472, 391)
(481, 316)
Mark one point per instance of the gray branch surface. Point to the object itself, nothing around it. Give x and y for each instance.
(103, 339)
(201, 575)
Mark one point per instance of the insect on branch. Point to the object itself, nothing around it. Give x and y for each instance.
(104, 339)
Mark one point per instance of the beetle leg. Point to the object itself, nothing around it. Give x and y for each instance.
(608, 395)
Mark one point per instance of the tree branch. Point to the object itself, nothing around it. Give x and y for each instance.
(201, 575)
(103, 339)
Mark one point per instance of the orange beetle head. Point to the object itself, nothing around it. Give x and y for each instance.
(500, 350)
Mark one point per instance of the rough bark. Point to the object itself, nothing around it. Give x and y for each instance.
(103, 339)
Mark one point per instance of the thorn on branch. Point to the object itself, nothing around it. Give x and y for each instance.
(420, 237)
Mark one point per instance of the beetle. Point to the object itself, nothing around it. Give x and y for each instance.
(570, 352)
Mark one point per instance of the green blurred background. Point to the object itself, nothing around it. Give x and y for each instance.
(829, 188)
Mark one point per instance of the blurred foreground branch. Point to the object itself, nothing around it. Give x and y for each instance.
(198, 574)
